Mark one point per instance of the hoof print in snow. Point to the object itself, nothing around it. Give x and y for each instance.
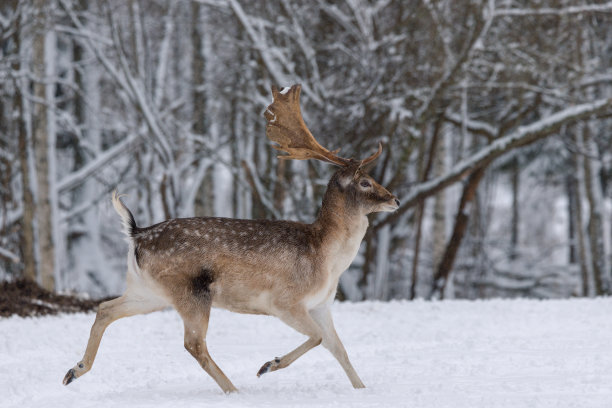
(69, 377)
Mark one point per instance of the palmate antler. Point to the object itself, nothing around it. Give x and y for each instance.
(287, 128)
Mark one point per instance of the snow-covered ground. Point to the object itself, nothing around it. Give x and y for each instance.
(420, 354)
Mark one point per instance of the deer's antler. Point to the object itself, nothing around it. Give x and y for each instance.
(367, 161)
(287, 128)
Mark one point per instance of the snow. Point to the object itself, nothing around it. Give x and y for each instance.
(499, 353)
(605, 8)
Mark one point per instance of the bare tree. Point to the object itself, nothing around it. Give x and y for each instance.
(44, 142)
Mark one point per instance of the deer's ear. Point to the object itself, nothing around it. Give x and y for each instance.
(347, 175)
(344, 180)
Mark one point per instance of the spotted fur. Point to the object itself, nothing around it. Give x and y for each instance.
(285, 269)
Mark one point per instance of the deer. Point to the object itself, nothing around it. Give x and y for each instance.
(286, 269)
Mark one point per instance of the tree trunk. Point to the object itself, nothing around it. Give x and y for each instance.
(28, 244)
(381, 280)
(570, 189)
(514, 237)
(461, 221)
(237, 201)
(596, 224)
(205, 199)
(44, 146)
(439, 212)
(418, 216)
(84, 229)
(257, 207)
(417, 248)
(584, 247)
(279, 186)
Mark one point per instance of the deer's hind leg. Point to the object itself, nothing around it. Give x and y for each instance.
(129, 304)
(194, 306)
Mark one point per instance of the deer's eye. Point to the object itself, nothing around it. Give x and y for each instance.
(365, 184)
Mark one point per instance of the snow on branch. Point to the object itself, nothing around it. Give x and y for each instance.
(259, 44)
(126, 81)
(5, 253)
(596, 79)
(454, 65)
(5, 155)
(523, 136)
(273, 69)
(11, 217)
(474, 126)
(589, 8)
(74, 179)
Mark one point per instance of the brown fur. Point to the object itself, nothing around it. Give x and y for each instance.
(281, 268)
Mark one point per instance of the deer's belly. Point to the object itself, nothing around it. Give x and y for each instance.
(245, 303)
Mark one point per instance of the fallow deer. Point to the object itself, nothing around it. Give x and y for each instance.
(280, 268)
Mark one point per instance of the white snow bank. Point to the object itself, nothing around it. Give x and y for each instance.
(421, 354)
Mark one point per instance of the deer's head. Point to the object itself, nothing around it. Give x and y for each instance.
(286, 127)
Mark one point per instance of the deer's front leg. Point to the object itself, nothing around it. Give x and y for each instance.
(300, 320)
(332, 342)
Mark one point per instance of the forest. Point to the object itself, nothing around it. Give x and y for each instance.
(495, 118)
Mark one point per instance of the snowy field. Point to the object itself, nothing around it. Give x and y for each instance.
(420, 354)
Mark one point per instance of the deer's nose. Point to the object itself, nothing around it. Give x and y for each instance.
(397, 202)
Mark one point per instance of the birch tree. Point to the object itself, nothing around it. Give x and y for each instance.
(44, 142)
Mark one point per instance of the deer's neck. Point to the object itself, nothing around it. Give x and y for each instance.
(342, 227)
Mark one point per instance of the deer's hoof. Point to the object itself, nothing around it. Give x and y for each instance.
(264, 369)
(69, 377)
(269, 366)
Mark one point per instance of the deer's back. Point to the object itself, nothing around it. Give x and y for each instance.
(247, 266)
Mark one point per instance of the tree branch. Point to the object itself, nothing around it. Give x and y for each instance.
(590, 8)
(5, 253)
(523, 136)
(74, 179)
